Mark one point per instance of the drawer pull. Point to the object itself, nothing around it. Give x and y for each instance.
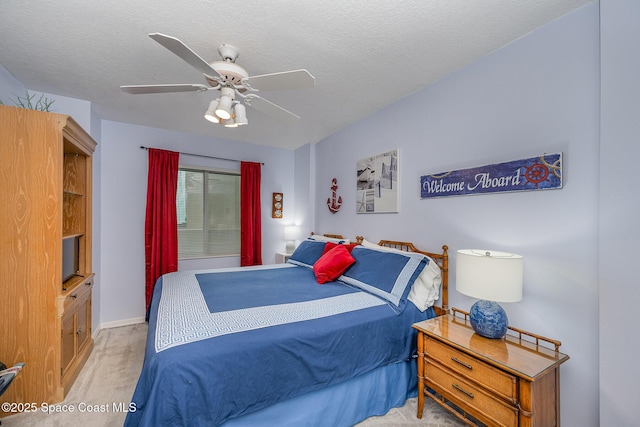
(74, 296)
(457, 387)
(466, 365)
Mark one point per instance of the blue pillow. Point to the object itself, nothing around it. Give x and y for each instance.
(307, 253)
(388, 275)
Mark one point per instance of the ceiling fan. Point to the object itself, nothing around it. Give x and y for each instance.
(233, 82)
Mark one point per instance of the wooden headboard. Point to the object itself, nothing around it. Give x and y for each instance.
(442, 259)
(332, 236)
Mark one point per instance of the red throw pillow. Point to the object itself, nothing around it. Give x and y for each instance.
(332, 264)
(331, 245)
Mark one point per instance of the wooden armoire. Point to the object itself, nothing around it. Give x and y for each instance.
(45, 197)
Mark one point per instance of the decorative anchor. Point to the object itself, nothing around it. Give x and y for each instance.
(332, 203)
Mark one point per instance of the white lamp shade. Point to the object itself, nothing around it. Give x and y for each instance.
(230, 123)
(489, 275)
(224, 108)
(241, 114)
(291, 232)
(211, 112)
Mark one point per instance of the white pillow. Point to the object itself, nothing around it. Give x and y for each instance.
(426, 289)
(320, 238)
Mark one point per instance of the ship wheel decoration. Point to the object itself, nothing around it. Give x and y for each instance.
(335, 201)
(539, 172)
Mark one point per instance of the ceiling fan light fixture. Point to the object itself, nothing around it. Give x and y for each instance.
(241, 114)
(230, 123)
(211, 112)
(231, 80)
(223, 110)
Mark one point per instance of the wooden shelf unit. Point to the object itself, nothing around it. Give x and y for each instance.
(46, 192)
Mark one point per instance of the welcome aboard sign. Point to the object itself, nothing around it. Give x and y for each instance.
(536, 173)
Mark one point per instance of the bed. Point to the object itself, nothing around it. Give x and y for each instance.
(309, 342)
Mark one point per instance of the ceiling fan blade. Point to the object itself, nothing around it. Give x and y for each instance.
(296, 79)
(271, 109)
(143, 89)
(183, 51)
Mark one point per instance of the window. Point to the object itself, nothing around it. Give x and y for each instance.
(208, 208)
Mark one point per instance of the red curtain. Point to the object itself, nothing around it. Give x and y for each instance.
(161, 223)
(250, 222)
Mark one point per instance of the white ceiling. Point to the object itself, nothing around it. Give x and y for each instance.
(364, 54)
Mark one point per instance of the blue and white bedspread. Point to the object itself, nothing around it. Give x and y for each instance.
(227, 342)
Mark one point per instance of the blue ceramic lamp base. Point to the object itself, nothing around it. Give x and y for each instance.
(488, 319)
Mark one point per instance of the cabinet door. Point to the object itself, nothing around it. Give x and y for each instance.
(68, 340)
(84, 321)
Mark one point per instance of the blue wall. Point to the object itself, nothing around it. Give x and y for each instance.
(540, 94)
(10, 87)
(619, 212)
(123, 201)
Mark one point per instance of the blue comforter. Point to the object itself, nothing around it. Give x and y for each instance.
(223, 343)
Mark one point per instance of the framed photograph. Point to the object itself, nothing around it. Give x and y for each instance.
(377, 183)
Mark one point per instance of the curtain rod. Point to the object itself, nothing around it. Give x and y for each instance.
(202, 155)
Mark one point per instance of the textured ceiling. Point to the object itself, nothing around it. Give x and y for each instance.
(364, 54)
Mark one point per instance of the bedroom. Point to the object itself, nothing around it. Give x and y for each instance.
(576, 81)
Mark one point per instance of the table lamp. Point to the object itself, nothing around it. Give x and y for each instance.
(492, 277)
(291, 233)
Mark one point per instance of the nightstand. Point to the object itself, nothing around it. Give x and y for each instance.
(514, 381)
(282, 257)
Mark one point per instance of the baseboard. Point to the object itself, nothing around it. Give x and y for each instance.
(117, 324)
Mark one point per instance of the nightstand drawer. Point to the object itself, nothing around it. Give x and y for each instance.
(499, 382)
(484, 406)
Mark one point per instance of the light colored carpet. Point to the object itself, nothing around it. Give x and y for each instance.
(108, 379)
